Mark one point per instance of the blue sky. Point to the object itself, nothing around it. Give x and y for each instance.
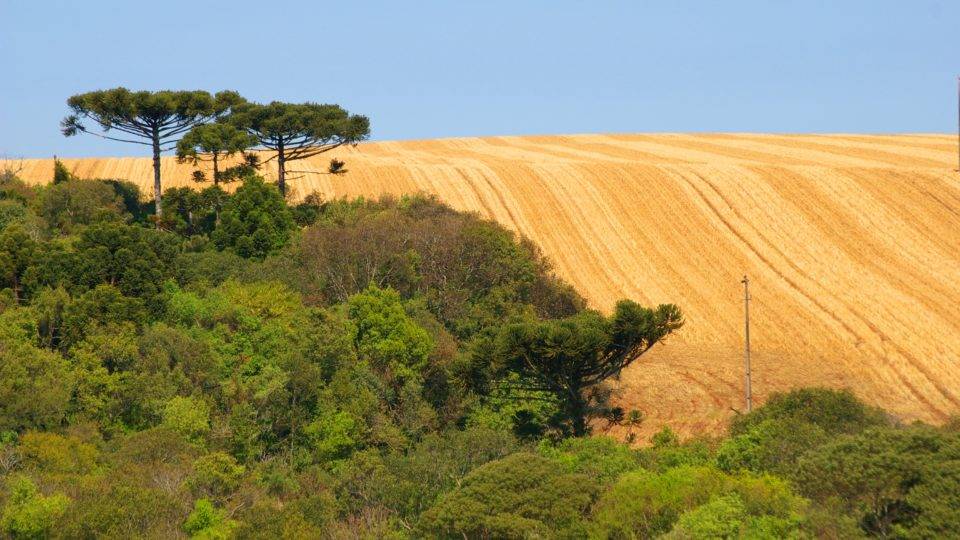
(423, 69)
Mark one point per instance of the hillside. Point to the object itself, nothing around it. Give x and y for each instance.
(852, 245)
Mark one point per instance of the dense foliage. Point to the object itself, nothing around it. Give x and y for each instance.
(380, 369)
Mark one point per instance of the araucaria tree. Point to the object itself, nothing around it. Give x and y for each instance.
(213, 142)
(299, 130)
(154, 119)
(569, 358)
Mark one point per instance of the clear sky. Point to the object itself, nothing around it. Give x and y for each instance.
(422, 69)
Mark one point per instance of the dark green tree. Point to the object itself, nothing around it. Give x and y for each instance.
(601, 458)
(60, 172)
(129, 194)
(99, 307)
(213, 142)
(415, 478)
(14, 211)
(154, 119)
(135, 260)
(255, 221)
(308, 210)
(188, 212)
(890, 478)
(937, 498)
(773, 437)
(16, 255)
(294, 131)
(569, 358)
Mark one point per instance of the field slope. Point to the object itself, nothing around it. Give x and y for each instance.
(852, 245)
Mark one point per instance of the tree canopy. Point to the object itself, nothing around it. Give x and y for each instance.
(566, 358)
(154, 119)
(213, 142)
(294, 131)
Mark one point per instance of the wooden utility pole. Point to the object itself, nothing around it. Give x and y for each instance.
(746, 351)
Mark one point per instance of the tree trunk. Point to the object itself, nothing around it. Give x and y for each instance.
(216, 171)
(577, 412)
(216, 183)
(281, 171)
(157, 190)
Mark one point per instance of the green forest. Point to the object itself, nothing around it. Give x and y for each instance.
(247, 368)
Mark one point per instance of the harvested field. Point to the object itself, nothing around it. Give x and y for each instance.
(852, 244)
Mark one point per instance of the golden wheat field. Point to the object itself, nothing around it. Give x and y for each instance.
(852, 245)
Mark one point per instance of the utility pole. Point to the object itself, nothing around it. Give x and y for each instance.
(958, 123)
(746, 351)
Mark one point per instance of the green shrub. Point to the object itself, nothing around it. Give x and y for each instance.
(208, 522)
(645, 504)
(12, 211)
(520, 496)
(52, 453)
(115, 507)
(28, 514)
(771, 445)
(601, 458)
(216, 475)
(187, 416)
(153, 447)
(264, 521)
(437, 464)
(833, 411)
(668, 452)
(722, 517)
(334, 436)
